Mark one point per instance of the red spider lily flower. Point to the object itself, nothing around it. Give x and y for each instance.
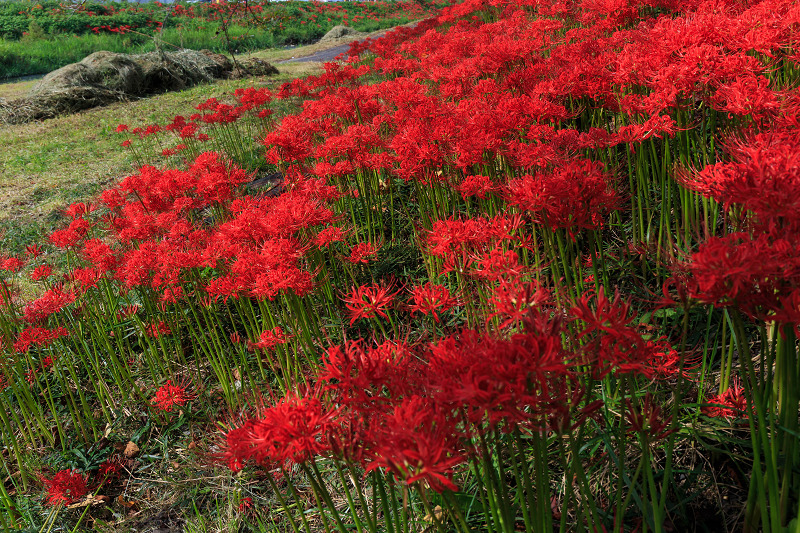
(50, 302)
(12, 264)
(575, 196)
(270, 338)
(515, 300)
(419, 443)
(732, 403)
(109, 469)
(79, 209)
(369, 377)
(328, 236)
(456, 240)
(38, 336)
(157, 329)
(751, 273)
(246, 506)
(295, 429)
(613, 341)
(431, 299)
(169, 395)
(100, 255)
(34, 250)
(72, 234)
(478, 186)
(87, 277)
(646, 418)
(506, 382)
(65, 487)
(362, 253)
(498, 263)
(121, 128)
(369, 301)
(666, 362)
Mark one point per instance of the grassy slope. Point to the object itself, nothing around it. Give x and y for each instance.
(45, 166)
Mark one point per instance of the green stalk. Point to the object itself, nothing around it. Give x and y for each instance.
(392, 520)
(319, 488)
(285, 506)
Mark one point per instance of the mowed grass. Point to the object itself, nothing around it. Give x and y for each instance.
(45, 166)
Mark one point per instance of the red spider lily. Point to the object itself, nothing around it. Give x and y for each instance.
(497, 264)
(646, 417)
(478, 186)
(79, 209)
(169, 395)
(157, 329)
(41, 272)
(87, 277)
(50, 302)
(369, 301)
(329, 236)
(269, 339)
(367, 377)
(38, 336)
(515, 300)
(752, 273)
(732, 403)
(764, 171)
(362, 253)
(418, 443)
(109, 469)
(613, 342)
(450, 237)
(70, 236)
(34, 250)
(246, 506)
(66, 487)
(12, 264)
(575, 196)
(295, 429)
(431, 299)
(504, 382)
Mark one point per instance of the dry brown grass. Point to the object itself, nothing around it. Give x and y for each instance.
(13, 90)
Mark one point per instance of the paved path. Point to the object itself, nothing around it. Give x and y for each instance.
(323, 56)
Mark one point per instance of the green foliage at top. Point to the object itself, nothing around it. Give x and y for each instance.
(38, 38)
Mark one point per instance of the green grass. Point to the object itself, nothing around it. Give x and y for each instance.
(26, 57)
(41, 52)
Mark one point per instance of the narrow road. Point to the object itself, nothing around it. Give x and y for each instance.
(323, 56)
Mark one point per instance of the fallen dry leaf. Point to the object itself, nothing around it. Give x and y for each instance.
(131, 450)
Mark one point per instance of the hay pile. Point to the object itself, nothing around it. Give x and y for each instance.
(106, 77)
(339, 32)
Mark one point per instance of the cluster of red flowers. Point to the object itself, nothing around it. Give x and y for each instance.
(66, 487)
(125, 28)
(755, 269)
(170, 395)
(415, 409)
